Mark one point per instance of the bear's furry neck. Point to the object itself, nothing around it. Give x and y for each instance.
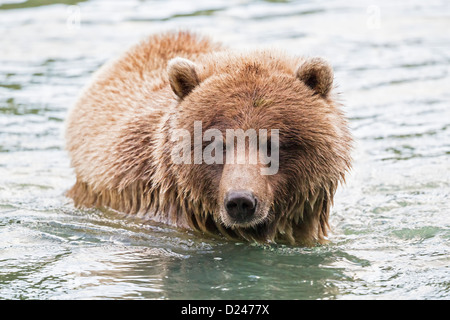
(303, 222)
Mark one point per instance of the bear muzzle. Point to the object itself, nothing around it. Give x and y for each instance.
(240, 206)
(245, 196)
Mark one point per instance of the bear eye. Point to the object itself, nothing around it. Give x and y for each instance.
(269, 149)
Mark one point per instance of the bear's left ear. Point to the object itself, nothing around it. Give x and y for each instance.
(182, 76)
(317, 74)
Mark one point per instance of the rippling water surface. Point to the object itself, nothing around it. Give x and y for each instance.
(390, 221)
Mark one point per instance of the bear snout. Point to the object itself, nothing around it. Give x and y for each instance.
(245, 196)
(240, 205)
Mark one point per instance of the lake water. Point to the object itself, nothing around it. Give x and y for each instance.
(390, 222)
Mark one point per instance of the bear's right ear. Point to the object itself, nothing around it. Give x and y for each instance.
(317, 74)
(182, 76)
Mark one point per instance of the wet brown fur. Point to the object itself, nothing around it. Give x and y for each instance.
(118, 136)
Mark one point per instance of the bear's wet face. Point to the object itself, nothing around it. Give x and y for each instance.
(292, 103)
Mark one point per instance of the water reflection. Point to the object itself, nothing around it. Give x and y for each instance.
(227, 272)
(35, 3)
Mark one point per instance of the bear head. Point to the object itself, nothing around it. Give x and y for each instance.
(255, 144)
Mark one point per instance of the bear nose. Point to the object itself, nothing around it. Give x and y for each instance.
(240, 205)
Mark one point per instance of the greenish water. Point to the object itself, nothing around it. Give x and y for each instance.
(390, 221)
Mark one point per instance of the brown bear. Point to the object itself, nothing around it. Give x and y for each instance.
(122, 136)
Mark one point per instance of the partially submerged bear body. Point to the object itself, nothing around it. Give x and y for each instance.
(121, 139)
